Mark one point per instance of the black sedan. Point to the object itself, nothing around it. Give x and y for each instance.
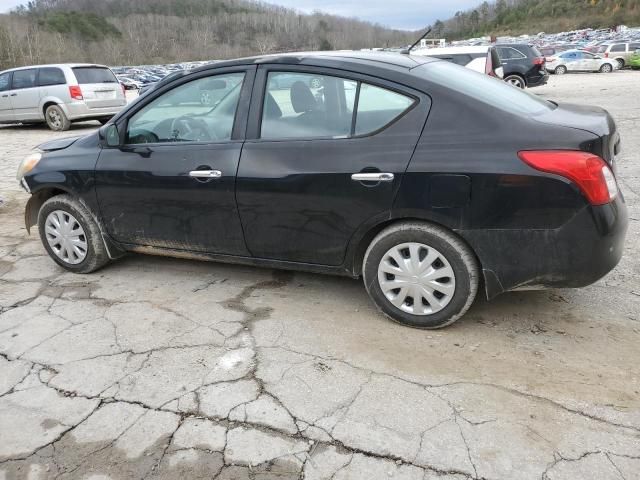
(425, 178)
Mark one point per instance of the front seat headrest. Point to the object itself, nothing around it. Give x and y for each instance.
(302, 99)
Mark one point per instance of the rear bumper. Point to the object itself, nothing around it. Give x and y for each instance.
(79, 110)
(577, 254)
(538, 80)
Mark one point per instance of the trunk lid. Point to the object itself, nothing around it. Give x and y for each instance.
(591, 119)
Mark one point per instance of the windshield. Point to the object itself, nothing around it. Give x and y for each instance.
(484, 88)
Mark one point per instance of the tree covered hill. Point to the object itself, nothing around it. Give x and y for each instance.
(514, 17)
(131, 32)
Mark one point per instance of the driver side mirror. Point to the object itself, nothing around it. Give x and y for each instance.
(111, 135)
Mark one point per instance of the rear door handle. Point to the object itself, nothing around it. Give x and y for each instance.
(205, 173)
(372, 177)
(14, 94)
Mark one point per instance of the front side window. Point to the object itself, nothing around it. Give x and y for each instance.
(302, 105)
(4, 81)
(51, 76)
(202, 110)
(24, 78)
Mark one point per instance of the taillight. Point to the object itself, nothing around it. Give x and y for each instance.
(606, 54)
(75, 92)
(588, 171)
(538, 61)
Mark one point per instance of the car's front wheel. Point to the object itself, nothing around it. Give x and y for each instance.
(420, 275)
(70, 235)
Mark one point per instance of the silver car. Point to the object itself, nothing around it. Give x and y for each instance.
(620, 52)
(579, 61)
(59, 94)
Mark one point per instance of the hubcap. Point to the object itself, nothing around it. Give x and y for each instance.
(416, 278)
(66, 237)
(54, 116)
(515, 82)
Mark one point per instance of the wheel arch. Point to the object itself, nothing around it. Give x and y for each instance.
(36, 201)
(362, 244)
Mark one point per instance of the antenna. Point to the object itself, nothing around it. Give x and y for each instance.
(408, 50)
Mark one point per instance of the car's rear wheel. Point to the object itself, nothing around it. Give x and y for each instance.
(606, 68)
(621, 63)
(516, 81)
(561, 70)
(420, 275)
(56, 118)
(70, 235)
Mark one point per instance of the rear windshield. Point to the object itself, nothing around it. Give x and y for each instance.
(484, 88)
(94, 75)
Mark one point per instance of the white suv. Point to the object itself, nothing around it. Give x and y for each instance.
(59, 94)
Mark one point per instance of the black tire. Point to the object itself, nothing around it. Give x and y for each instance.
(56, 119)
(459, 256)
(621, 63)
(560, 70)
(516, 81)
(96, 252)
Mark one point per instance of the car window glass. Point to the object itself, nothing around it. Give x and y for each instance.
(24, 78)
(634, 46)
(378, 107)
(4, 81)
(86, 75)
(590, 56)
(304, 105)
(202, 110)
(508, 53)
(51, 76)
(484, 88)
(621, 47)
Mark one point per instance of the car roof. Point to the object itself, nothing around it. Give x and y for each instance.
(356, 59)
(452, 50)
(57, 65)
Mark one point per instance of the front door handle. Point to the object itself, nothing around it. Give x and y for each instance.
(205, 173)
(14, 94)
(372, 177)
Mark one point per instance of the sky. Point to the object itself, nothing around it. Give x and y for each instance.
(402, 14)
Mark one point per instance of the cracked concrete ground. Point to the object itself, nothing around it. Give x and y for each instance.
(163, 368)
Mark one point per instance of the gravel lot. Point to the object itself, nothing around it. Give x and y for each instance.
(166, 368)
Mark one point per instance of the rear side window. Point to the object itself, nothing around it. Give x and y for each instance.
(484, 88)
(378, 107)
(86, 75)
(24, 78)
(51, 76)
(508, 53)
(301, 105)
(634, 46)
(4, 81)
(620, 47)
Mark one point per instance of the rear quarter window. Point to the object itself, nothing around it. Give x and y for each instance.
(86, 75)
(51, 76)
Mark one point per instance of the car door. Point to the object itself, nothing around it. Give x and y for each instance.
(571, 61)
(312, 173)
(6, 112)
(590, 62)
(171, 181)
(25, 95)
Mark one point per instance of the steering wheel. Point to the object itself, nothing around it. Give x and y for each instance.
(195, 129)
